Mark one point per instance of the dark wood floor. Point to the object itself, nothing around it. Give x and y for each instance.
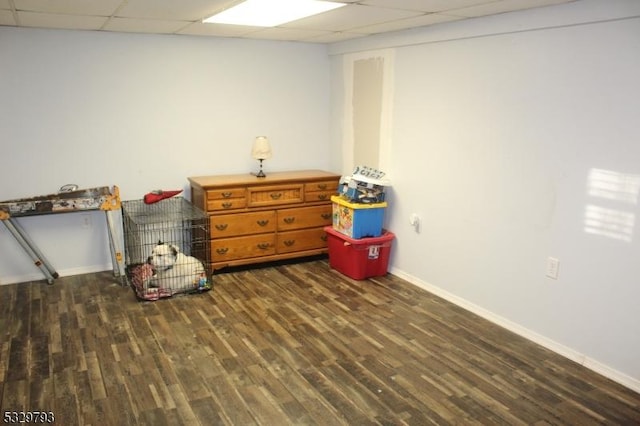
(295, 344)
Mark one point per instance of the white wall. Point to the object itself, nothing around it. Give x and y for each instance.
(513, 147)
(144, 112)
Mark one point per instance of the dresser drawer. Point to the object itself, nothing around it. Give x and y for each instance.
(226, 199)
(304, 217)
(226, 204)
(320, 191)
(231, 225)
(305, 239)
(226, 249)
(275, 195)
(316, 196)
(325, 185)
(224, 193)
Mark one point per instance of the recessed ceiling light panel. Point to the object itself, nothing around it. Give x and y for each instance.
(271, 13)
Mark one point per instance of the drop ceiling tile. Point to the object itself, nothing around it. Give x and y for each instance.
(346, 1)
(157, 26)
(218, 30)
(6, 18)
(48, 20)
(71, 7)
(349, 17)
(402, 24)
(425, 5)
(4, 4)
(290, 34)
(335, 37)
(183, 10)
(503, 6)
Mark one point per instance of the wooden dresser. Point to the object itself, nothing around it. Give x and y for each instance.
(255, 220)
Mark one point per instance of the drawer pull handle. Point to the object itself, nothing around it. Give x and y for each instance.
(222, 250)
(263, 222)
(289, 243)
(276, 195)
(322, 186)
(322, 196)
(226, 194)
(326, 216)
(289, 220)
(221, 226)
(323, 238)
(227, 205)
(263, 246)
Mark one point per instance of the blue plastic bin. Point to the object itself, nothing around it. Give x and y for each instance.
(357, 220)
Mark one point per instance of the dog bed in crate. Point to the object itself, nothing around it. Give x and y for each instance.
(142, 280)
(166, 248)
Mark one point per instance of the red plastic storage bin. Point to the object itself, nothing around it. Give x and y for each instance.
(359, 258)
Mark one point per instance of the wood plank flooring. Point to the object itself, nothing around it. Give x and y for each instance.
(291, 344)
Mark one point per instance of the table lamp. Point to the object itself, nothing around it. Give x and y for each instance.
(261, 150)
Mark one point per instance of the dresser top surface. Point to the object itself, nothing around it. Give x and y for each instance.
(271, 178)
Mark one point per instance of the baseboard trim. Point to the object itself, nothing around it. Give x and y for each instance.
(592, 364)
(39, 276)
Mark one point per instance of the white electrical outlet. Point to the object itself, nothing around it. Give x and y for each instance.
(414, 220)
(86, 221)
(553, 265)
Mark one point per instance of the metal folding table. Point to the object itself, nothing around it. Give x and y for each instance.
(101, 198)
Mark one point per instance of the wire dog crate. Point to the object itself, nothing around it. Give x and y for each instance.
(166, 248)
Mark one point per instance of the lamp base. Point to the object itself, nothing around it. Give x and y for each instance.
(260, 174)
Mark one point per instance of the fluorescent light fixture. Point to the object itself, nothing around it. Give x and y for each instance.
(270, 13)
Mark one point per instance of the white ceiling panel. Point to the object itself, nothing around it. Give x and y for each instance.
(502, 6)
(184, 10)
(50, 20)
(335, 37)
(69, 7)
(350, 17)
(357, 19)
(131, 25)
(424, 5)
(288, 34)
(403, 24)
(217, 30)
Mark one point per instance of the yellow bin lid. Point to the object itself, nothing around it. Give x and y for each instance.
(343, 201)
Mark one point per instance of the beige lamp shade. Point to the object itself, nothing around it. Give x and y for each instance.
(261, 149)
